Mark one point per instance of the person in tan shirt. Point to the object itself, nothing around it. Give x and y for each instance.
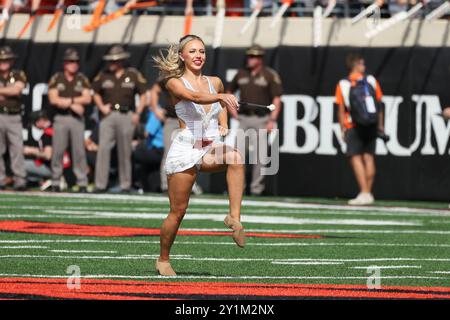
(12, 82)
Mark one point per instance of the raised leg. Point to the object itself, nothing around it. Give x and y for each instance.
(217, 160)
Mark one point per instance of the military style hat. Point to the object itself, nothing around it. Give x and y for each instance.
(6, 53)
(71, 55)
(255, 50)
(116, 53)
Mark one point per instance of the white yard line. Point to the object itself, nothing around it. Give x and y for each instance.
(306, 263)
(78, 241)
(300, 211)
(23, 247)
(230, 243)
(144, 257)
(255, 203)
(81, 251)
(245, 219)
(387, 267)
(440, 221)
(350, 244)
(111, 276)
(3, 216)
(219, 218)
(216, 218)
(316, 231)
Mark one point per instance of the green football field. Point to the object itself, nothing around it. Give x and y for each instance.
(295, 248)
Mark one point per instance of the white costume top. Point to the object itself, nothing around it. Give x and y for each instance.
(200, 125)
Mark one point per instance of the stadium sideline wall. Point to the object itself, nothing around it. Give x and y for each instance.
(411, 61)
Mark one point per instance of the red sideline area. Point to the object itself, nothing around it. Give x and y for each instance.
(118, 231)
(123, 289)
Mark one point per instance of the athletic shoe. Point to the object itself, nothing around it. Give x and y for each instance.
(238, 230)
(164, 268)
(362, 199)
(46, 185)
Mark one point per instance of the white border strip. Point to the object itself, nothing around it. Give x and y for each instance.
(221, 202)
(111, 276)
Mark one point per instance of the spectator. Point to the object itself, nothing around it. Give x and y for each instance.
(261, 85)
(264, 5)
(234, 8)
(148, 154)
(38, 150)
(91, 145)
(105, 6)
(396, 6)
(163, 109)
(183, 7)
(357, 92)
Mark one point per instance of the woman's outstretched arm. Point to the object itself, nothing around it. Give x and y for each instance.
(179, 91)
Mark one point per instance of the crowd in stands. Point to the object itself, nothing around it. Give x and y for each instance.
(341, 8)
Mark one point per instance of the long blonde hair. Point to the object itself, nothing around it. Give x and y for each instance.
(170, 65)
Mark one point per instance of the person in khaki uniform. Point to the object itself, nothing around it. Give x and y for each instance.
(115, 91)
(69, 93)
(12, 82)
(260, 85)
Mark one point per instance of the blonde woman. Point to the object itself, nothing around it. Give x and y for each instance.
(201, 107)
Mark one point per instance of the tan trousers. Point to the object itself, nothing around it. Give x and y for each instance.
(68, 128)
(257, 184)
(11, 139)
(116, 129)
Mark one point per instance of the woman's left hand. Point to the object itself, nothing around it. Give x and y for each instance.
(223, 131)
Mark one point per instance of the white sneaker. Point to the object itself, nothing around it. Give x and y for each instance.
(362, 199)
(370, 198)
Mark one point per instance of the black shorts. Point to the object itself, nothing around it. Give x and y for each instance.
(360, 141)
